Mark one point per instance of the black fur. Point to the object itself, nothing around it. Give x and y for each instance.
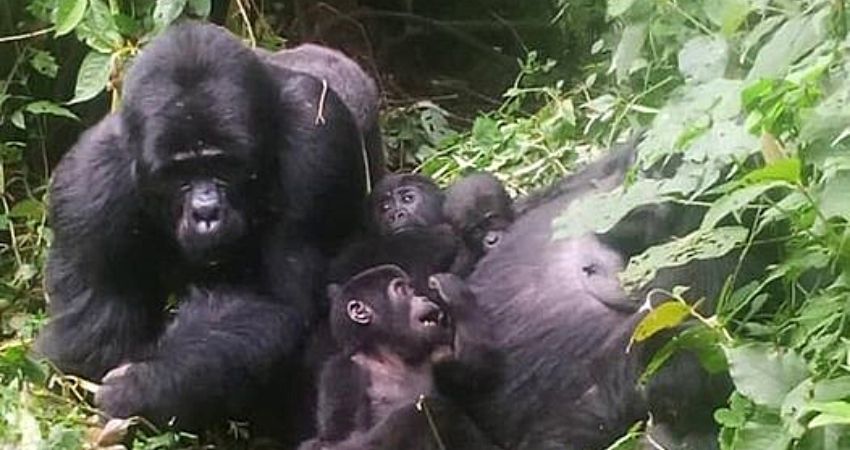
(393, 341)
(353, 85)
(479, 210)
(563, 322)
(408, 232)
(218, 172)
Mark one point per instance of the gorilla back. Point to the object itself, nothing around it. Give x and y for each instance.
(218, 172)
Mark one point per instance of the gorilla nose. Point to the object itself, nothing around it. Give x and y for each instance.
(399, 217)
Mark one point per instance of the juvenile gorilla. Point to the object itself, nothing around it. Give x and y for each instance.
(479, 210)
(405, 227)
(216, 173)
(393, 342)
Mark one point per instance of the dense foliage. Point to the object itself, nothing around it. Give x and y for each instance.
(748, 97)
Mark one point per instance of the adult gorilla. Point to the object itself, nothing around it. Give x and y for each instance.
(222, 182)
(563, 321)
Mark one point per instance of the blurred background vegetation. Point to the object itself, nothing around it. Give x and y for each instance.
(749, 97)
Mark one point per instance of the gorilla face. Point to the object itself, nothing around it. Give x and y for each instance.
(199, 143)
(404, 202)
(378, 308)
(202, 199)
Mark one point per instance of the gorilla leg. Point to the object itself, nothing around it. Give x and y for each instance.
(215, 361)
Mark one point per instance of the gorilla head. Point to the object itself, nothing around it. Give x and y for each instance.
(480, 210)
(377, 310)
(404, 201)
(200, 133)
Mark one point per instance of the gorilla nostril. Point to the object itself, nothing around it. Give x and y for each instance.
(400, 216)
(207, 213)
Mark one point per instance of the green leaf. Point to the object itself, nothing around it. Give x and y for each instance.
(628, 49)
(667, 315)
(758, 436)
(47, 107)
(44, 63)
(727, 14)
(617, 8)
(28, 209)
(599, 212)
(787, 169)
(735, 202)
(764, 373)
(832, 413)
(699, 245)
(704, 58)
(833, 198)
(69, 14)
(18, 119)
(92, 77)
(166, 11)
(793, 40)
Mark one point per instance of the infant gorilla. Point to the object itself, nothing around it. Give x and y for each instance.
(479, 210)
(380, 391)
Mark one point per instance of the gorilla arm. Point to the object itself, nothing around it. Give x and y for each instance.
(105, 302)
(223, 349)
(473, 366)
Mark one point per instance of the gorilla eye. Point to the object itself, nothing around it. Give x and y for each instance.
(407, 198)
(385, 206)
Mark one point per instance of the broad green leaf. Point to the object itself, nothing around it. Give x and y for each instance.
(699, 245)
(599, 212)
(166, 11)
(47, 107)
(793, 40)
(735, 202)
(727, 141)
(628, 49)
(92, 77)
(199, 8)
(827, 120)
(99, 29)
(689, 113)
(787, 169)
(727, 14)
(27, 209)
(69, 14)
(18, 119)
(833, 198)
(831, 413)
(667, 315)
(758, 436)
(704, 58)
(764, 373)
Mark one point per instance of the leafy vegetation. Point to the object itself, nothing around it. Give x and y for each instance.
(746, 99)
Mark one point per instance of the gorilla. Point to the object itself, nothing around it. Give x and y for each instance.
(393, 343)
(353, 85)
(405, 226)
(222, 183)
(564, 324)
(479, 209)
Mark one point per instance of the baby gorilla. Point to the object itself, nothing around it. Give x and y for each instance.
(379, 391)
(405, 227)
(479, 210)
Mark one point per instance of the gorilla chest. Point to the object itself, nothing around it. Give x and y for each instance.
(393, 385)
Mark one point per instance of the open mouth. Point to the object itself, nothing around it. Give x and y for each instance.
(433, 317)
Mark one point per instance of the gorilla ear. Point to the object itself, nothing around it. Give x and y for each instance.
(359, 312)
